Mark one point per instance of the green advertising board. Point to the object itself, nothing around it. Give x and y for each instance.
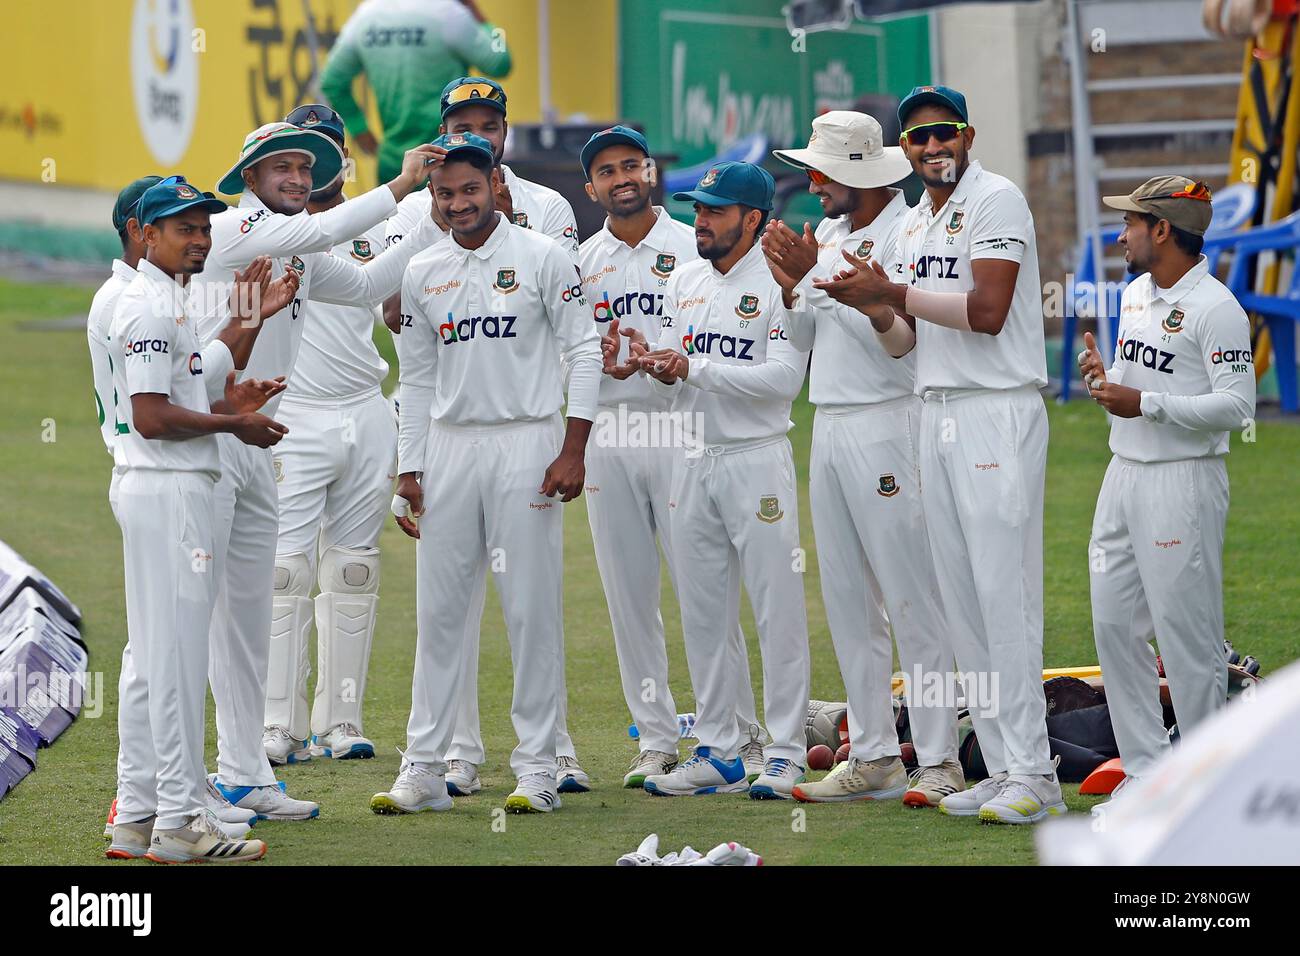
(702, 74)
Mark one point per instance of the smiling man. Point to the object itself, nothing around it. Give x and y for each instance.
(971, 305)
(494, 315)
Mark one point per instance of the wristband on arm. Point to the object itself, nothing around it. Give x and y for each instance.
(898, 339)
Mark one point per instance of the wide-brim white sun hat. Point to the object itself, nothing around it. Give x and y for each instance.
(849, 148)
(275, 138)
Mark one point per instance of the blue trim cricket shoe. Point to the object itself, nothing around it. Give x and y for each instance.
(702, 774)
(779, 777)
(269, 802)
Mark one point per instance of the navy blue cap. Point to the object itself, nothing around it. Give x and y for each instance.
(472, 91)
(320, 118)
(614, 136)
(174, 195)
(455, 143)
(730, 184)
(937, 95)
(129, 199)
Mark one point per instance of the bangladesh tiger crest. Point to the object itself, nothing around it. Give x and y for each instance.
(709, 179)
(297, 265)
(185, 192)
(361, 249)
(1173, 321)
(748, 306)
(457, 139)
(864, 248)
(520, 219)
(888, 486)
(955, 223)
(505, 281)
(769, 509)
(664, 264)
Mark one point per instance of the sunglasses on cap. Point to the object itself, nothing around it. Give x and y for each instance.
(920, 135)
(1197, 191)
(475, 91)
(818, 178)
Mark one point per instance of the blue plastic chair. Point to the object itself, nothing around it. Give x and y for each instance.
(751, 149)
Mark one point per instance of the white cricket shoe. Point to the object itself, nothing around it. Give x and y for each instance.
(778, 778)
(130, 841)
(202, 841)
(282, 747)
(751, 753)
(269, 802)
(342, 742)
(419, 787)
(226, 811)
(1025, 798)
(535, 793)
(967, 803)
(648, 763)
(884, 778)
(701, 774)
(570, 776)
(462, 778)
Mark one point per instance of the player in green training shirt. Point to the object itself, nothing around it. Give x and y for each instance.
(408, 48)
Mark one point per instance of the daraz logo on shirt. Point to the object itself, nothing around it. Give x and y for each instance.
(145, 346)
(727, 346)
(646, 303)
(485, 326)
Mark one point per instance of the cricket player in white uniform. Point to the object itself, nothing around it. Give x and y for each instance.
(1183, 379)
(625, 269)
(334, 474)
(278, 167)
(136, 748)
(864, 481)
(724, 356)
(167, 455)
(476, 106)
(976, 321)
(493, 312)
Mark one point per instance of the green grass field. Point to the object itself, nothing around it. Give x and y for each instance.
(57, 516)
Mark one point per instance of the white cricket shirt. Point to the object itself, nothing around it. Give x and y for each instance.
(986, 217)
(744, 371)
(627, 283)
(156, 350)
(849, 365)
(98, 323)
(301, 242)
(338, 359)
(1188, 350)
(482, 330)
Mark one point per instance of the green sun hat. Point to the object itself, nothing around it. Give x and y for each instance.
(276, 138)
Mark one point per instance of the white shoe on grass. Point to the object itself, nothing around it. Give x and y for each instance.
(967, 803)
(1025, 798)
(462, 778)
(648, 763)
(751, 753)
(778, 778)
(419, 787)
(701, 774)
(342, 742)
(283, 748)
(570, 776)
(268, 802)
(535, 793)
(202, 841)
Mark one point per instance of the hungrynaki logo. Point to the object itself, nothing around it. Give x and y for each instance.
(164, 76)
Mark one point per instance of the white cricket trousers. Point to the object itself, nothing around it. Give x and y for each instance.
(739, 503)
(167, 545)
(627, 507)
(627, 503)
(874, 556)
(482, 506)
(335, 473)
(983, 464)
(1156, 566)
(247, 526)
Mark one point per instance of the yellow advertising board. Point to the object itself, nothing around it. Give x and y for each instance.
(98, 92)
